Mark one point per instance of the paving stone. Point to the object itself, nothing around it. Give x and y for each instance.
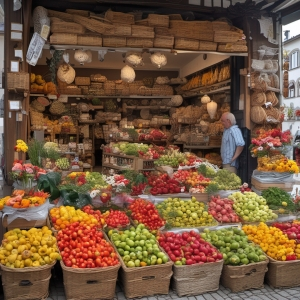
(191, 298)
(275, 296)
(263, 297)
(200, 297)
(154, 298)
(217, 296)
(221, 294)
(208, 297)
(283, 293)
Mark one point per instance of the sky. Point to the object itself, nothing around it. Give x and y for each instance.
(293, 27)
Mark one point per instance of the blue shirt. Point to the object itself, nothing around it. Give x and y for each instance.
(232, 138)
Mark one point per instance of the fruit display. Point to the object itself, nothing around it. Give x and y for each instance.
(163, 184)
(138, 247)
(18, 199)
(173, 159)
(185, 213)
(95, 213)
(28, 248)
(245, 188)
(227, 180)
(291, 229)
(188, 248)
(143, 211)
(65, 215)
(37, 83)
(154, 134)
(129, 148)
(116, 219)
(234, 245)
(190, 177)
(251, 207)
(273, 242)
(83, 246)
(62, 163)
(222, 210)
(278, 199)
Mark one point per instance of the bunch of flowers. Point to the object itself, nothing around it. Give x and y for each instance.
(297, 112)
(277, 164)
(268, 140)
(21, 146)
(118, 182)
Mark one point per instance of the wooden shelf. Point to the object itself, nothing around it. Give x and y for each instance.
(126, 49)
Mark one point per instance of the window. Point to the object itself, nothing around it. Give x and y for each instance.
(294, 60)
(298, 87)
(291, 90)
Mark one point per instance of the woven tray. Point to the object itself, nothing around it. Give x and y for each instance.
(119, 17)
(119, 30)
(67, 27)
(158, 20)
(61, 15)
(89, 40)
(186, 44)
(82, 80)
(18, 81)
(92, 24)
(63, 38)
(114, 41)
(142, 31)
(161, 41)
(139, 42)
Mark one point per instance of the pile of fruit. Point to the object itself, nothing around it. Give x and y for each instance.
(190, 178)
(234, 245)
(28, 248)
(173, 159)
(95, 213)
(65, 215)
(273, 242)
(251, 207)
(185, 213)
(227, 180)
(84, 246)
(138, 247)
(291, 229)
(116, 219)
(222, 210)
(130, 148)
(188, 248)
(62, 163)
(162, 184)
(144, 212)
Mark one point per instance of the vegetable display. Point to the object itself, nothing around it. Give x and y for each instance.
(227, 180)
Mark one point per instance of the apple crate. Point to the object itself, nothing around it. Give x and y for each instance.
(196, 279)
(245, 277)
(26, 283)
(283, 274)
(201, 197)
(144, 164)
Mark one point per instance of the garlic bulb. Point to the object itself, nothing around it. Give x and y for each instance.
(81, 56)
(134, 58)
(127, 74)
(158, 59)
(66, 73)
(212, 109)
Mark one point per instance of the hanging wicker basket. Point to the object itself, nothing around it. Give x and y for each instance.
(271, 97)
(258, 114)
(258, 98)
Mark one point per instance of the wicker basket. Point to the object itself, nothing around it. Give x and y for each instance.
(158, 20)
(26, 283)
(135, 86)
(162, 31)
(286, 75)
(122, 89)
(273, 113)
(232, 47)
(271, 97)
(92, 24)
(199, 26)
(63, 38)
(186, 44)
(219, 25)
(98, 78)
(119, 30)
(139, 42)
(258, 114)
(196, 279)
(119, 17)
(96, 283)
(283, 274)
(142, 31)
(162, 90)
(84, 13)
(18, 81)
(109, 88)
(241, 278)
(207, 46)
(61, 15)
(67, 27)
(82, 80)
(227, 36)
(70, 91)
(114, 41)
(258, 98)
(161, 41)
(89, 40)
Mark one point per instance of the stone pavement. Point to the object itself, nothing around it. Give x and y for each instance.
(267, 293)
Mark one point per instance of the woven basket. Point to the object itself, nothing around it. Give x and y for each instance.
(119, 30)
(207, 46)
(196, 35)
(36, 118)
(98, 78)
(82, 80)
(162, 90)
(67, 27)
(119, 17)
(273, 112)
(158, 20)
(271, 97)
(109, 88)
(188, 44)
(26, 283)
(161, 41)
(227, 36)
(92, 24)
(258, 98)
(162, 31)
(220, 25)
(89, 40)
(199, 26)
(18, 81)
(274, 81)
(196, 279)
(114, 41)
(142, 22)
(258, 114)
(245, 277)
(96, 283)
(286, 75)
(84, 13)
(232, 47)
(139, 42)
(257, 83)
(142, 31)
(283, 274)
(61, 15)
(63, 38)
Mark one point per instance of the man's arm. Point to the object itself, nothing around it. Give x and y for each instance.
(237, 153)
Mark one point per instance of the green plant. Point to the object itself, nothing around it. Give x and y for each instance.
(35, 152)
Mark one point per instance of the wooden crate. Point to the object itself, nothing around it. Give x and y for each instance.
(23, 223)
(201, 197)
(144, 164)
(286, 186)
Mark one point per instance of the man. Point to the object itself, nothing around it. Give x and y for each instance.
(232, 143)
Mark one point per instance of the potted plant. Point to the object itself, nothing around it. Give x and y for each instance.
(297, 114)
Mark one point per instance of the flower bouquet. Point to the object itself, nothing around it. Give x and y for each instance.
(270, 142)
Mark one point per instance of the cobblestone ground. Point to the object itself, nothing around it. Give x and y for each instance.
(267, 293)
